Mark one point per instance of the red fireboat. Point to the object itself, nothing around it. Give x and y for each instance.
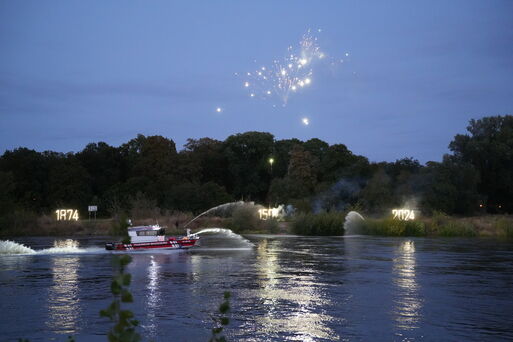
(153, 237)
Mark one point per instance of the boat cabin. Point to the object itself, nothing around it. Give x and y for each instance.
(150, 233)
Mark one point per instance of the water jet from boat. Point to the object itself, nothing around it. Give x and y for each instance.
(228, 233)
(223, 207)
(353, 222)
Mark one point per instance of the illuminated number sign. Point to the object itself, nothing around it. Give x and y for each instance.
(403, 214)
(266, 214)
(66, 214)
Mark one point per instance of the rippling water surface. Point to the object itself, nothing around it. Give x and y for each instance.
(283, 288)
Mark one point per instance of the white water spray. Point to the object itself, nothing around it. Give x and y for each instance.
(11, 247)
(223, 207)
(352, 223)
(60, 247)
(228, 234)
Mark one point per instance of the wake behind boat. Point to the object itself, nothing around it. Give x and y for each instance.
(153, 237)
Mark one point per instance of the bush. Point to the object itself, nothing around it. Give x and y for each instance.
(19, 222)
(302, 205)
(327, 224)
(454, 228)
(391, 227)
(244, 218)
(125, 324)
(504, 227)
(443, 225)
(270, 226)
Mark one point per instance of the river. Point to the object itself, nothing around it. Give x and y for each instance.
(353, 288)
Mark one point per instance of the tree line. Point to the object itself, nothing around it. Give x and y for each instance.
(312, 175)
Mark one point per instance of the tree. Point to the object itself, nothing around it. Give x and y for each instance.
(152, 163)
(377, 195)
(104, 163)
(7, 200)
(206, 158)
(282, 191)
(281, 156)
(248, 164)
(196, 197)
(302, 170)
(451, 187)
(337, 163)
(317, 148)
(30, 171)
(403, 175)
(68, 184)
(489, 148)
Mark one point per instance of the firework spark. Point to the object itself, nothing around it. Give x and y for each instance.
(289, 75)
(305, 121)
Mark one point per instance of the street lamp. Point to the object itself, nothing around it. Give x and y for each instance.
(271, 161)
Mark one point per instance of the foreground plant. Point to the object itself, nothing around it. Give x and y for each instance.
(125, 324)
(222, 321)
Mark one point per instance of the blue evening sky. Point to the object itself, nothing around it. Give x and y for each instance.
(74, 72)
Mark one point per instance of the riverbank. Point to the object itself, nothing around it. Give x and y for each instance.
(47, 226)
(242, 222)
(498, 226)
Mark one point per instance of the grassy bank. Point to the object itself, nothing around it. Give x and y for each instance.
(325, 224)
(246, 220)
(31, 225)
(47, 226)
(499, 226)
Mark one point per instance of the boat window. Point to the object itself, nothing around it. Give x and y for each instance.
(162, 231)
(147, 232)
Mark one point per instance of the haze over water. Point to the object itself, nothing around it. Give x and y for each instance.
(351, 288)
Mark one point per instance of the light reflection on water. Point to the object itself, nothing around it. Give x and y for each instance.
(304, 318)
(407, 303)
(153, 297)
(63, 296)
(285, 288)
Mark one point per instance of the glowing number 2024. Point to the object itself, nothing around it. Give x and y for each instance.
(403, 214)
(66, 214)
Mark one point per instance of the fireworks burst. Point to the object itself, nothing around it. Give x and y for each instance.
(289, 75)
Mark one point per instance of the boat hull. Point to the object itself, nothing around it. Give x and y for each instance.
(167, 244)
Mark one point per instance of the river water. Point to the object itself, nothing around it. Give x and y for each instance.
(351, 288)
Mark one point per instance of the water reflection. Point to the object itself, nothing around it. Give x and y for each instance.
(407, 304)
(293, 301)
(63, 300)
(153, 298)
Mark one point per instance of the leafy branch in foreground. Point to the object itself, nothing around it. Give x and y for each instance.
(222, 321)
(124, 329)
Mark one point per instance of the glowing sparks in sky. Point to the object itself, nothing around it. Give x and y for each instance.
(305, 121)
(287, 75)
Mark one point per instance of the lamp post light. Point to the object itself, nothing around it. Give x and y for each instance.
(271, 161)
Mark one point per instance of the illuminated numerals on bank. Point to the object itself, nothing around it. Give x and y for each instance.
(403, 214)
(66, 214)
(266, 214)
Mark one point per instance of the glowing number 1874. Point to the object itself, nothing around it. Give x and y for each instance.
(66, 214)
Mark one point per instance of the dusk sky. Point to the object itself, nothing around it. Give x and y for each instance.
(399, 78)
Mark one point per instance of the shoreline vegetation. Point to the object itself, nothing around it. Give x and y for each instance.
(150, 181)
(440, 225)
(245, 221)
